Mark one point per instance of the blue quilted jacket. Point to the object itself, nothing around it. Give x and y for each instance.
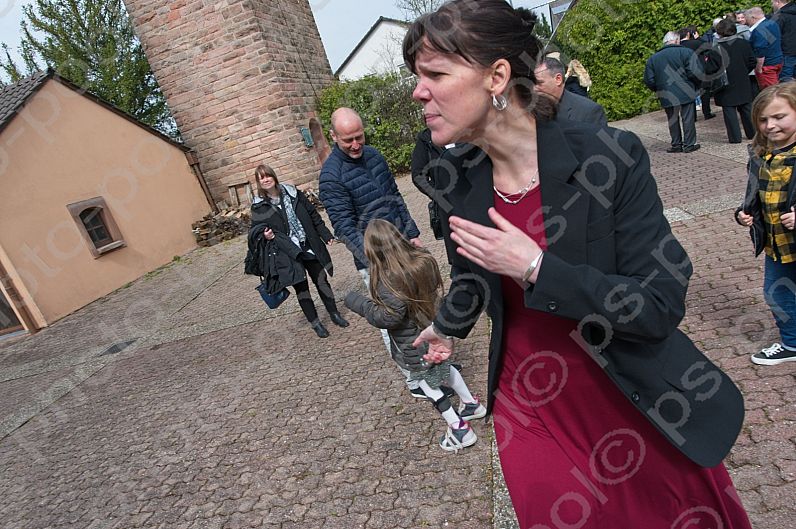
(355, 191)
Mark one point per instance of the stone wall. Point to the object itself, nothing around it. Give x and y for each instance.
(240, 77)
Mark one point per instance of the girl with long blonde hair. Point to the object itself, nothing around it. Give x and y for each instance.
(405, 288)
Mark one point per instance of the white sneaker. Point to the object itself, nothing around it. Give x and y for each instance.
(472, 410)
(457, 438)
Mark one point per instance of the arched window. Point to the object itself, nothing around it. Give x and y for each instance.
(96, 225)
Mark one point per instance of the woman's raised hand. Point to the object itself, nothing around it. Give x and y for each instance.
(504, 250)
(268, 234)
(439, 349)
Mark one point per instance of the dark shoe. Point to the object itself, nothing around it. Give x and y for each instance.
(692, 148)
(771, 356)
(418, 393)
(674, 149)
(739, 141)
(337, 319)
(319, 329)
(710, 116)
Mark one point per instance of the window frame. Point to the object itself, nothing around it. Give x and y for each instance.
(76, 210)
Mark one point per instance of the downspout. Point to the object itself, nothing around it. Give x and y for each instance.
(193, 161)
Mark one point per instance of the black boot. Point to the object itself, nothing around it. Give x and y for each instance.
(337, 319)
(319, 329)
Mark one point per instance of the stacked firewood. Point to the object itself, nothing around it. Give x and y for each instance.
(312, 196)
(224, 225)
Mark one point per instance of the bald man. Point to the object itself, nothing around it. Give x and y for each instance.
(356, 186)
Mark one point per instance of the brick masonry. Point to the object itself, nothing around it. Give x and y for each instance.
(240, 77)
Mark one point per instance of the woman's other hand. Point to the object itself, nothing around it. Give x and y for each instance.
(745, 219)
(788, 219)
(504, 250)
(439, 349)
(268, 234)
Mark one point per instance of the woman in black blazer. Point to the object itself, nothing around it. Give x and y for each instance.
(605, 414)
(281, 208)
(736, 98)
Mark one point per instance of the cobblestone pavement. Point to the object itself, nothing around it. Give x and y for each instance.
(217, 412)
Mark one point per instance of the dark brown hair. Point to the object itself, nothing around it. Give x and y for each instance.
(409, 273)
(726, 28)
(482, 32)
(264, 170)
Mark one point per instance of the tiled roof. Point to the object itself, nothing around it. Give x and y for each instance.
(14, 95)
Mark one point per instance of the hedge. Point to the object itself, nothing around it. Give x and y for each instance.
(614, 38)
(391, 117)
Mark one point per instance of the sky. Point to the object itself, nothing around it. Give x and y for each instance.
(341, 23)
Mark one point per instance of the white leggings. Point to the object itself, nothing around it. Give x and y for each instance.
(456, 382)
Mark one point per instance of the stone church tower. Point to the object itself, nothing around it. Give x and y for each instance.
(240, 78)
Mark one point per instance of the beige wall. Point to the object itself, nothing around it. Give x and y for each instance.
(64, 148)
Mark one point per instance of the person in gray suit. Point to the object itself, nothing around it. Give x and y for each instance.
(571, 107)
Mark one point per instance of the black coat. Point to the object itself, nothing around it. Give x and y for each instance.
(674, 73)
(315, 229)
(737, 54)
(613, 265)
(786, 20)
(573, 85)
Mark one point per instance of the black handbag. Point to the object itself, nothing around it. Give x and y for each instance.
(272, 300)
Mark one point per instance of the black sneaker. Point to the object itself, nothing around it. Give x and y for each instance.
(418, 392)
(771, 356)
(674, 149)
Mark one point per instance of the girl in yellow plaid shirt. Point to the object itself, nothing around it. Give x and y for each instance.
(769, 209)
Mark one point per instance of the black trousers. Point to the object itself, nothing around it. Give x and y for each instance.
(731, 122)
(315, 272)
(706, 95)
(687, 112)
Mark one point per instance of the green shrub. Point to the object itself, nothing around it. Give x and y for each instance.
(392, 118)
(614, 38)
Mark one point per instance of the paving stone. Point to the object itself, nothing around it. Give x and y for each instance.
(223, 413)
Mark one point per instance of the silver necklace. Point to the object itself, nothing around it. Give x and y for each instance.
(522, 192)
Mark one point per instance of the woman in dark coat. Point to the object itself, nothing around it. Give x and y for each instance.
(589, 377)
(282, 208)
(736, 98)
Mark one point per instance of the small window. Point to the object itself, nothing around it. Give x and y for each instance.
(96, 225)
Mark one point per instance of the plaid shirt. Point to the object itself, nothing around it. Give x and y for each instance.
(775, 177)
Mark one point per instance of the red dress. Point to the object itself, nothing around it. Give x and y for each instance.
(575, 452)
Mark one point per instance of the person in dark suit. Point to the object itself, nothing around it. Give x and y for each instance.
(584, 284)
(571, 106)
(689, 38)
(674, 74)
(736, 98)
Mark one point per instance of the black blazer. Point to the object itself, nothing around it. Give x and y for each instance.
(613, 265)
(573, 107)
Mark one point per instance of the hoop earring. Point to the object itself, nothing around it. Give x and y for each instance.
(499, 102)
